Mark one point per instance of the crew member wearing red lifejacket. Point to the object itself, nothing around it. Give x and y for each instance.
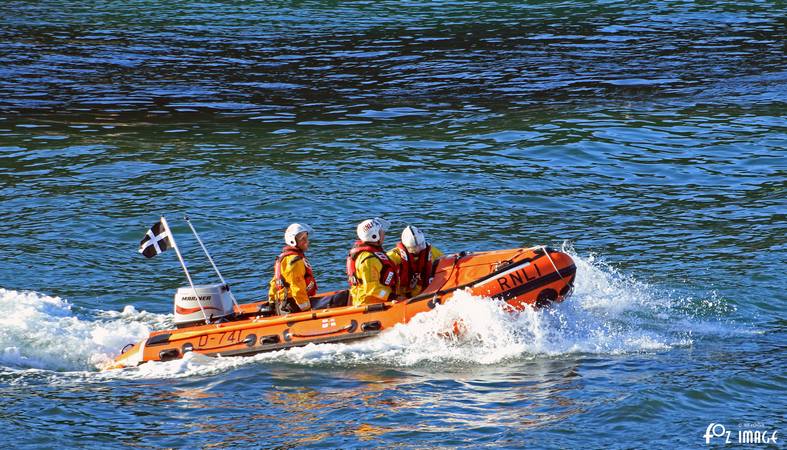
(371, 274)
(293, 281)
(414, 258)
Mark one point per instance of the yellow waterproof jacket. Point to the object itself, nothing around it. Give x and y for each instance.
(403, 289)
(294, 273)
(370, 288)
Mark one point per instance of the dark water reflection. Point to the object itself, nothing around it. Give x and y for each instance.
(321, 62)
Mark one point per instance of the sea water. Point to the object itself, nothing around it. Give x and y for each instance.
(645, 140)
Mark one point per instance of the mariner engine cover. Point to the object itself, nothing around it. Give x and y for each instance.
(214, 298)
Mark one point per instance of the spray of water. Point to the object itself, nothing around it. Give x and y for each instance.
(609, 313)
(39, 331)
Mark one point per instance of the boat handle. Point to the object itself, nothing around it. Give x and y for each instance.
(350, 327)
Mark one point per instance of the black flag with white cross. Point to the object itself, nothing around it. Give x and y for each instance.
(155, 241)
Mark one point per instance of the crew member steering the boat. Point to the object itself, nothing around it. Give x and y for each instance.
(371, 274)
(293, 281)
(414, 258)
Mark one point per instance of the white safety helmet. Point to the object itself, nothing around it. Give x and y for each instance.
(413, 239)
(293, 231)
(370, 230)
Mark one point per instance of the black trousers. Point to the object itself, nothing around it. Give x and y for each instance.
(332, 301)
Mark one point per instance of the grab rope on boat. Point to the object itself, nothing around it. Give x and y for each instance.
(436, 297)
(570, 287)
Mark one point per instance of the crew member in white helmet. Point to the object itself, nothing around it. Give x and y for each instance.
(415, 259)
(370, 273)
(293, 281)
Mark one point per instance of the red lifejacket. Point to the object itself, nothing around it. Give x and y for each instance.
(414, 273)
(387, 275)
(311, 283)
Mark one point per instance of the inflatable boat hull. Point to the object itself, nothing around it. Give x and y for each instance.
(521, 277)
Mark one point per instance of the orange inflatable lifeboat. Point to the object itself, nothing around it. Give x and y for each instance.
(523, 276)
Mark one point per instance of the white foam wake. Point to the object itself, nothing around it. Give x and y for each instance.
(477, 330)
(39, 331)
(609, 313)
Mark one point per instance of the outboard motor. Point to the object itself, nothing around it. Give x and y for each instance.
(214, 298)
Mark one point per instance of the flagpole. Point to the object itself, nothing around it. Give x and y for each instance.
(183, 264)
(204, 249)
